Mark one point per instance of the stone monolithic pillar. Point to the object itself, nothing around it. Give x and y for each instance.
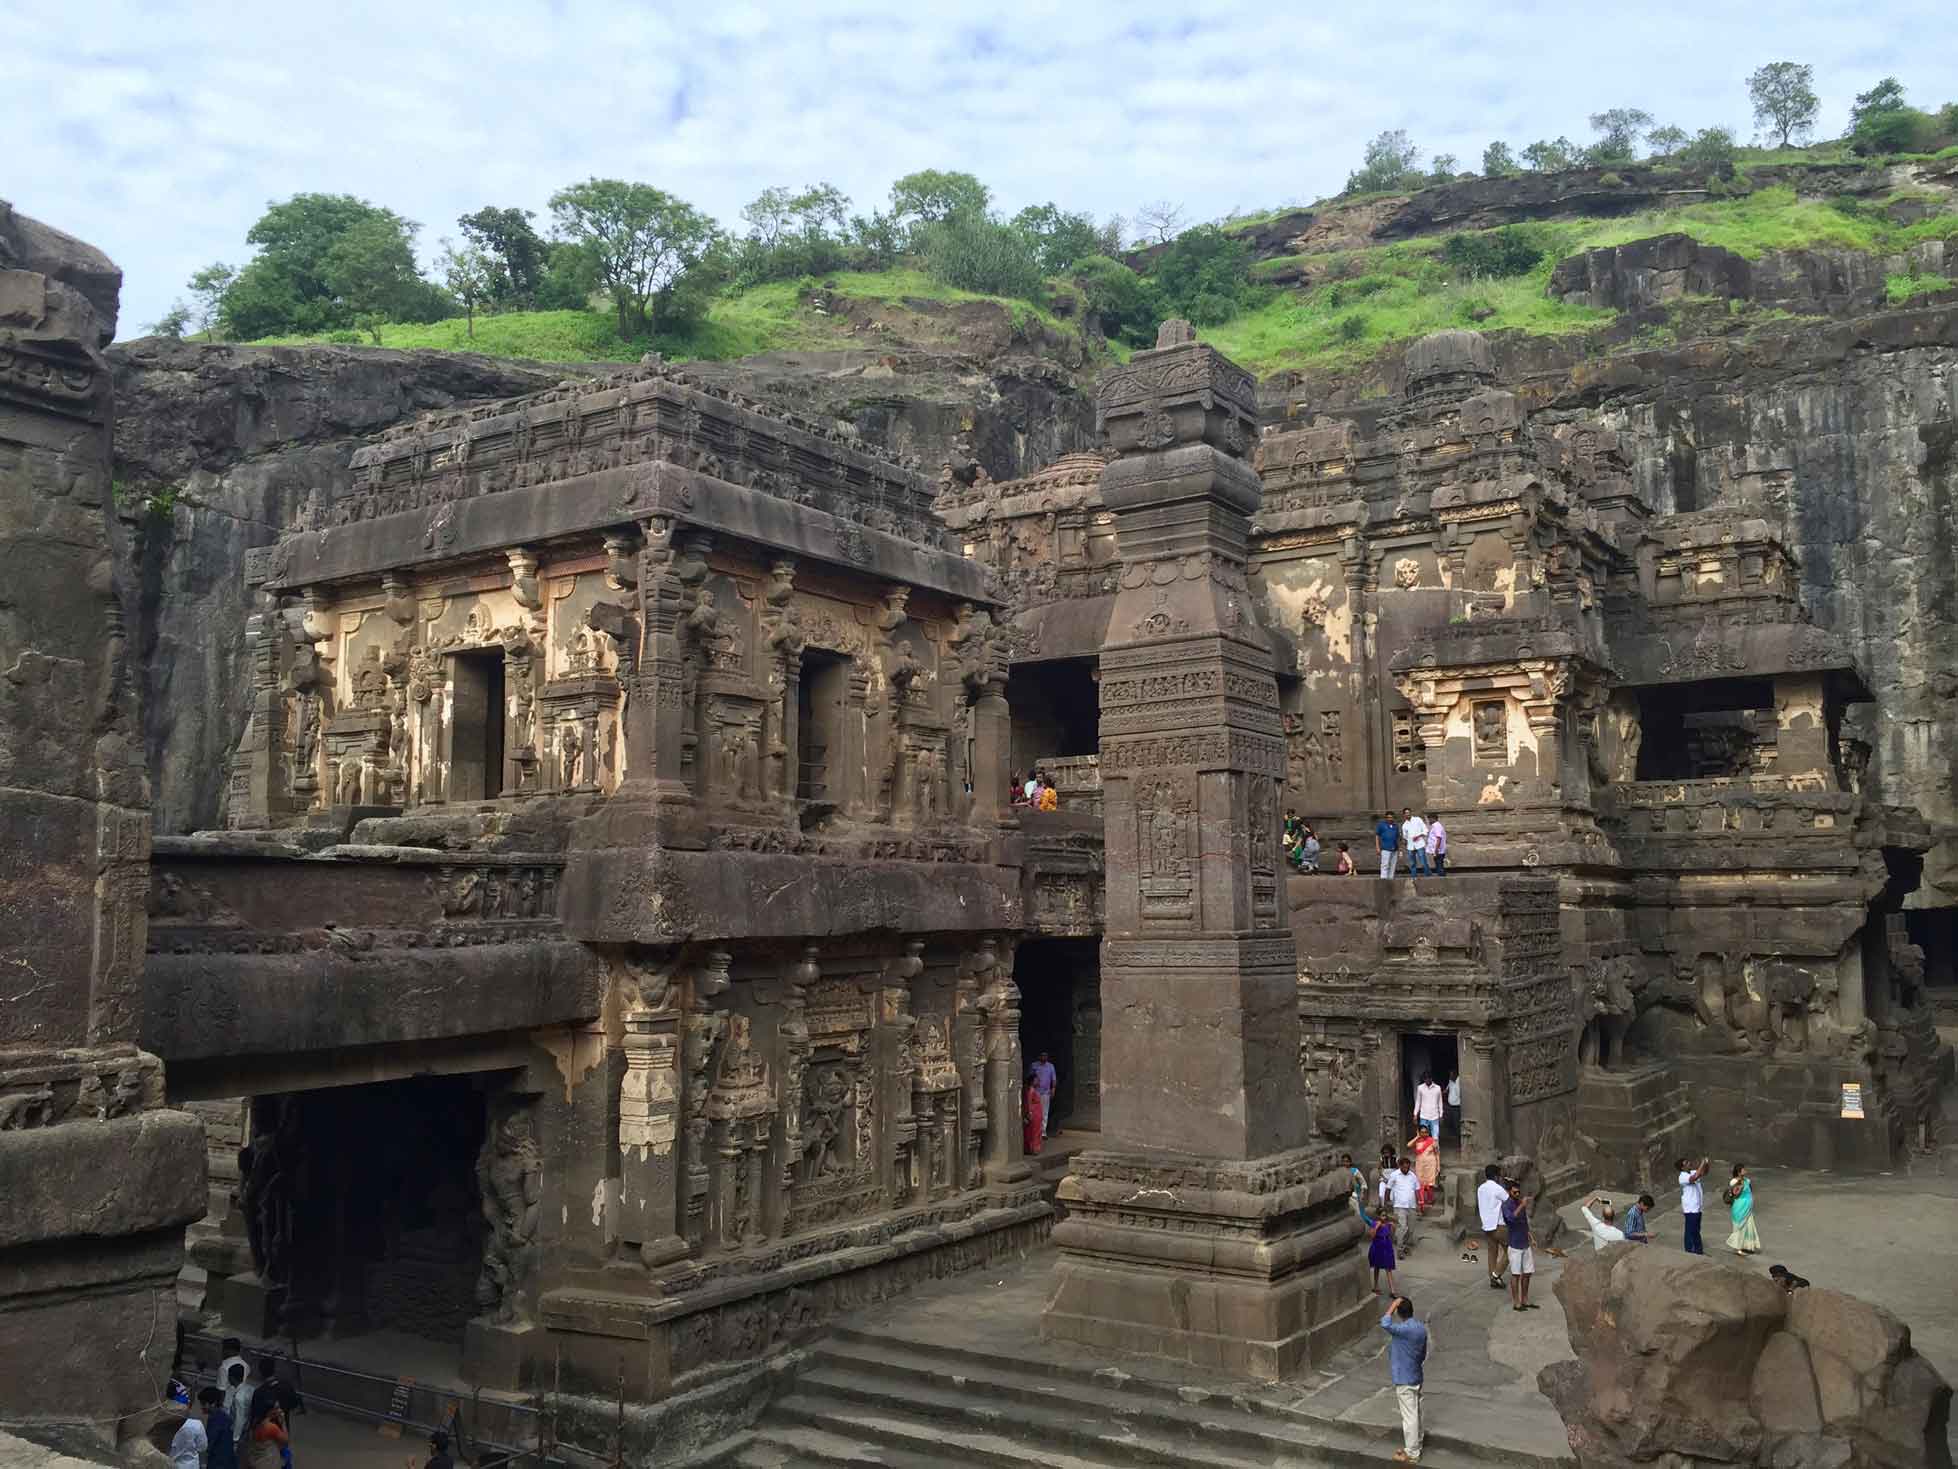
(1207, 1230)
(97, 1178)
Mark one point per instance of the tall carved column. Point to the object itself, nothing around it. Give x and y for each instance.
(1206, 1230)
(984, 670)
(1005, 1145)
(97, 1178)
(655, 709)
(649, 1118)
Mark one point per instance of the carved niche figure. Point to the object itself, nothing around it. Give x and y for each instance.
(1165, 851)
(822, 1122)
(1491, 732)
(1264, 823)
(509, 1179)
(348, 789)
(1407, 572)
(571, 754)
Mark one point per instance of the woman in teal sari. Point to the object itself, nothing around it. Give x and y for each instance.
(1746, 1239)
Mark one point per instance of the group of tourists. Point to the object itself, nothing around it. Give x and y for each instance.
(1036, 790)
(1423, 838)
(1738, 1196)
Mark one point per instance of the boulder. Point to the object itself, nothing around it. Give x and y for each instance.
(1684, 1361)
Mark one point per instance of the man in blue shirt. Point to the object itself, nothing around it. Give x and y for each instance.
(1636, 1229)
(1387, 837)
(1407, 1349)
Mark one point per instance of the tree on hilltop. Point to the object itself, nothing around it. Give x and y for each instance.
(1886, 96)
(1619, 129)
(1387, 164)
(1666, 141)
(323, 260)
(1548, 156)
(929, 195)
(1783, 94)
(641, 242)
(1060, 237)
(506, 237)
(473, 276)
(1160, 221)
(1498, 160)
(207, 288)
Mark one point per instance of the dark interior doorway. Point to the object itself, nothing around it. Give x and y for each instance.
(1060, 1014)
(1704, 730)
(365, 1206)
(1434, 1054)
(476, 726)
(818, 724)
(1056, 710)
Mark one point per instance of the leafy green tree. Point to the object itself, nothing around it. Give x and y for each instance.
(875, 240)
(641, 241)
(975, 252)
(1513, 249)
(1783, 94)
(1886, 96)
(1895, 130)
(1388, 163)
(1121, 303)
(173, 323)
(1618, 129)
(1059, 237)
(1711, 148)
(473, 277)
(930, 195)
(792, 233)
(570, 279)
(1549, 156)
(323, 260)
(507, 238)
(207, 288)
(1205, 276)
(1666, 141)
(1498, 160)
(1442, 168)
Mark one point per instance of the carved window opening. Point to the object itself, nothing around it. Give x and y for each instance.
(1706, 730)
(1056, 711)
(1410, 755)
(476, 725)
(819, 700)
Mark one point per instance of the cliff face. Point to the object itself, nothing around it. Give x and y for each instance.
(217, 446)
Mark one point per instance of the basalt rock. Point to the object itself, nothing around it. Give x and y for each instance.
(1684, 1361)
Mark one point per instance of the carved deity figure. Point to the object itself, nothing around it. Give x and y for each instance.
(571, 754)
(822, 1122)
(1491, 733)
(348, 790)
(509, 1179)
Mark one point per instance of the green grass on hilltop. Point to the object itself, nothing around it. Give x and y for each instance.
(1899, 289)
(1751, 226)
(547, 336)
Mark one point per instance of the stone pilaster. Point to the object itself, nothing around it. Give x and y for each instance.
(1207, 1231)
(98, 1178)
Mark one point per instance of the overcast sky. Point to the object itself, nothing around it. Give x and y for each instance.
(159, 131)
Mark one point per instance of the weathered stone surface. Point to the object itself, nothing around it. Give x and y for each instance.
(1686, 1360)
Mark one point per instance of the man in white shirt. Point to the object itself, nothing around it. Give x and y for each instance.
(192, 1445)
(1692, 1200)
(1454, 1095)
(1414, 837)
(1404, 1194)
(1489, 1199)
(1603, 1230)
(1427, 1105)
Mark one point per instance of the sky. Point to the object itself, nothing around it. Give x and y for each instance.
(159, 131)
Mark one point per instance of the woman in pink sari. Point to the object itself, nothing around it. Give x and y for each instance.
(1427, 1164)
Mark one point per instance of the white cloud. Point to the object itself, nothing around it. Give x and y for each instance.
(160, 132)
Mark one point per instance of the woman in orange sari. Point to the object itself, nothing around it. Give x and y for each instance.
(1031, 1108)
(1427, 1164)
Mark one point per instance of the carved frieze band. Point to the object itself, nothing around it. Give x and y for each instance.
(1223, 749)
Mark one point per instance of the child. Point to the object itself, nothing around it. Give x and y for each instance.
(1380, 1253)
(1343, 867)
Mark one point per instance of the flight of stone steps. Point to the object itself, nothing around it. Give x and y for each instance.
(877, 1399)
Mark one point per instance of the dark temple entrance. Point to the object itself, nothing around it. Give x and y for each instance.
(363, 1208)
(1424, 1054)
(1060, 1013)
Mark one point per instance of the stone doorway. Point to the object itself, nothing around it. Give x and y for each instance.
(476, 726)
(1060, 1013)
(364, 1213)
(1425, 1053)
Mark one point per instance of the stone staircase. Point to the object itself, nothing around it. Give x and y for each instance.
(879, 1398)
(1641, 1119)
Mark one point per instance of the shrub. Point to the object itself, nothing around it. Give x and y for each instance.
(1351, 328)
(974, 252)
(1611, 180)
(1122, 303)
(344, 338)
(1205, 276)
(1711, 148)
(1511, 250)
(1895, 130)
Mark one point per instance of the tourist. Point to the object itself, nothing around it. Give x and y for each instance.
(273, 1395)
(1387, 837)
(1414, 837)
(1746, 1239)
(1407, 1349)
(1522, 1254)
(1032, 1118)
(1636, 1229)
(1290, 836)
(191, 1444)
(1427, 1164)
(1437, 846)
(234, 1356)
(267, 1445)
(1427, 1104)
(1404, 1194)
(1308, 849)
(1489, 1199)
(1032, 786)
(1454, 1099)
(1017, 786)
(1603, 1225)
(1692, 1199)
(1380, 1248)
(438, 1452)
(1344, 866)
(1358, 1181)
(237, 1397)
(223, 1450)
(1046, 1079)
(1050, 795)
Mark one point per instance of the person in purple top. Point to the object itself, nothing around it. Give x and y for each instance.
(1438, 846)
(1045, 1079)
(1407, 1349)
(1522, 1258)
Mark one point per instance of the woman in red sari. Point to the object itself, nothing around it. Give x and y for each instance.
(1031, 1108)
(1427, 1164)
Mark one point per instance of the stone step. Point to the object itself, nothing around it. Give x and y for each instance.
(1085, 1410)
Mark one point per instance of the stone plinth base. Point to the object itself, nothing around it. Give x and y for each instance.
(1641, 1120)
(1247, 1268)
(251, 1308)
(499, 1355)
